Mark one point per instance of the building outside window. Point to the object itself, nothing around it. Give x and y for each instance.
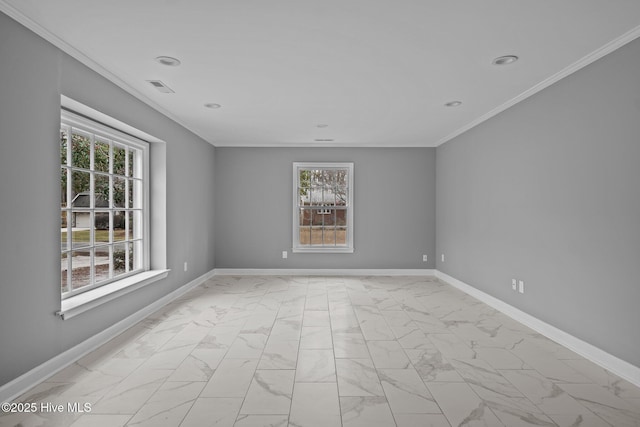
(323, 207)
(103, 205)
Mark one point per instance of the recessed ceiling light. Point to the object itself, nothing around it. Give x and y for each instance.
(453, 104)
(505, 60)
(168, 61)
(212, 105)
(321, 125)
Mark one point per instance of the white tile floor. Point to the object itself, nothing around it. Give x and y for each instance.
(332, 351)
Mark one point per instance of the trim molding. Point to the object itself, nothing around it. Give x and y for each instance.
(65, 47)
(40, 373)
(321, 272)
(600, 357)
(572, 68)
(23, 19)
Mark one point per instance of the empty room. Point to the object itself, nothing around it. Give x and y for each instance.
(320, 213)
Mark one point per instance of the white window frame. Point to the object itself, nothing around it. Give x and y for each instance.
(70, 123)
(297, 247)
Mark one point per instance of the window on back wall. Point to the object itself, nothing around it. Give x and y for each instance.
(323, 207)
(103, 205)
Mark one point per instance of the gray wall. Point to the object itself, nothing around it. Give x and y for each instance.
(549, 192)
(394, 207)
(33, 74)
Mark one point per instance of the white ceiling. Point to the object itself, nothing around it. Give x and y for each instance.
(377, 72)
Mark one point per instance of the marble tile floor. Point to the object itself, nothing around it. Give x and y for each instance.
(332, 351)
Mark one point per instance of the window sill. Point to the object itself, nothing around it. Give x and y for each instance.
(78, 304)
(311, 250)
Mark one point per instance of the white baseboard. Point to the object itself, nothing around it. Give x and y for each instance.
(40, 373)
(18, 386)
(322, 272)
(600, 357)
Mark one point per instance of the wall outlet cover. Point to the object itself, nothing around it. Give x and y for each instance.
(424, 258)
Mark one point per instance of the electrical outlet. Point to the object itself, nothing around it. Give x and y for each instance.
(284, 254)
(425, 258)
(442, 257)
(521, 286)
(514, 284)
(185, 266)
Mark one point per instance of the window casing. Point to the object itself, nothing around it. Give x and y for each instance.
(103, 205)
(323, 207)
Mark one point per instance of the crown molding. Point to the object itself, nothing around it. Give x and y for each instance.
(579, 64)
(80, 56)
(20, 17)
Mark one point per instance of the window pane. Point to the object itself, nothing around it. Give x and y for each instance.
(64, 268)
(63, 187)
(80, 196)
(341, 236)
(64, 242)
(305, 216)
(124, 258)
(303, 197)
(342, 194)
(129, 193)
(329, 216)
(316, 196)
(329, 177)
(118, 159)
(80, 151)
(101, 229)
(128, 231)
(342, 177)
(305, 235)
(341, 217)
(101, 262)
(329, 196)
(119, 218)
(133, 167)
(81, 234)
(101, 156)
(316, 235)
(101, 185)
(81, 269)
(120, 258)
(119, 192)
(63, 148)
(304, 178)
(329, 236)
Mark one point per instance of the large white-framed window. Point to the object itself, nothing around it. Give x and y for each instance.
(104, 199)
(323, 207)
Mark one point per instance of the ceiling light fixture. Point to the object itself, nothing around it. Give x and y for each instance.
(322, 125)
(212, 105)
(505, 60)
(453, 104)
(168, 61)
